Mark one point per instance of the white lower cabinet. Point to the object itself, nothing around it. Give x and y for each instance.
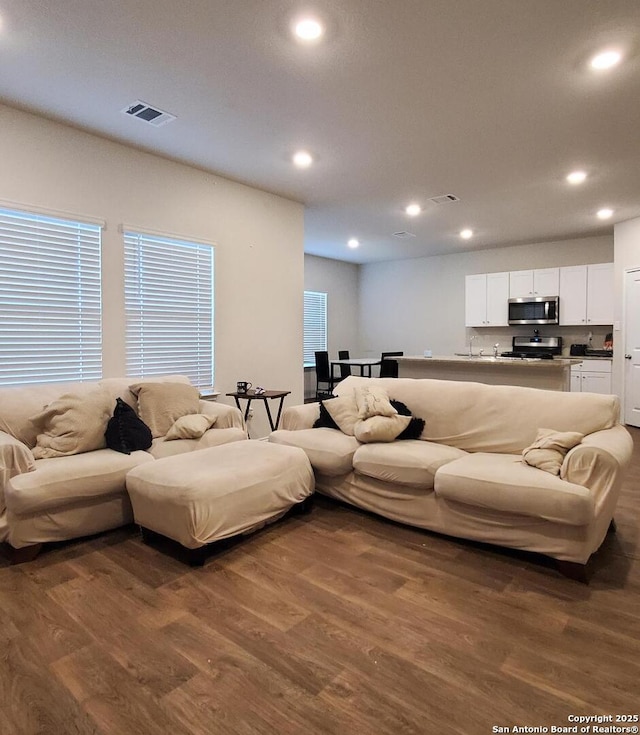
(591, 376)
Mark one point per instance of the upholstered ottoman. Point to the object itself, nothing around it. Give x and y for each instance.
(211, 494)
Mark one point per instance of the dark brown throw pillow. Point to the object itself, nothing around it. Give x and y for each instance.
(325, 420)
(126, 432)
(416, 425)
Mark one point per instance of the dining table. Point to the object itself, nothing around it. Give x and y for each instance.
(363, 363)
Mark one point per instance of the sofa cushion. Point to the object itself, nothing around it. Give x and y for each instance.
(503, 482)
(493, 418)
(330, 452)
(412, 463)
(73, 423)
(343, 411)
(160, 404)
(63, 481)
(162, 447)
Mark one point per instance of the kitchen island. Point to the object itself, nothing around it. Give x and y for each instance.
(532, 373)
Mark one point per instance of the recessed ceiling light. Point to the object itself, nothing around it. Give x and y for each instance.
(606, 60)
(604, 213)
(302, 159)
(353, 243)
(466, 234)
(308, 29)
(413, 210)
(576, 177)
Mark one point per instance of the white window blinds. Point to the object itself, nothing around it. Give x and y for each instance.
(315, 324)
(169, 307)
(50, 301)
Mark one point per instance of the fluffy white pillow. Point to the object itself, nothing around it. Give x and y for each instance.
(161, 404)
(74, 423)
(381, 428)
(192, 426)
(344, 411)
(373, 400)
(549, 449)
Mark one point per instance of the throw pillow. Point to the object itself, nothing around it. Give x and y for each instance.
(344, 411)
(373, 400)
(192, 426)
(73, 423)
(381, 428)
(126, 432)
(416, 425)
(324, 420)
(160, 404)
(549, 449)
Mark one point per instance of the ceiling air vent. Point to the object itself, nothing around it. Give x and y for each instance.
(403, 235)
(148, 114)
(445, 199)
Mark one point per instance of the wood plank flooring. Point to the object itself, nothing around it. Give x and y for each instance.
(332, 622)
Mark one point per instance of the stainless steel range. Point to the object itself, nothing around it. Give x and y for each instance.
(535, 348)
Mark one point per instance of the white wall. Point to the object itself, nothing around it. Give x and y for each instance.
(340, 281)
(626, 257)
(258, 237)
(418, 304)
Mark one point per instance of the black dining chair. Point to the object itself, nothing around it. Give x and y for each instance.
(389, 367)
(345, 370)
(323, 375)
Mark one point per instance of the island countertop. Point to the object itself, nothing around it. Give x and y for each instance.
(528, 372)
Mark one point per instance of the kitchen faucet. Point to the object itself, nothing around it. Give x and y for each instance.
(495, 349)
(471, 338)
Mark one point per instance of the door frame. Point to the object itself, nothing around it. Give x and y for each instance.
(622, 352)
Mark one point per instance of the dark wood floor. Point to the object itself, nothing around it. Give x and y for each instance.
(334, 622)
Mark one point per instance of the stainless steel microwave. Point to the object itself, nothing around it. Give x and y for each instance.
(534, 310)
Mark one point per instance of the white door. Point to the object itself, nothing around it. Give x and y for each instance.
(573, 295)
(576, 380)
(600, 293)
(546, 282)
(475, 303)
(632, 349)
(498, 299)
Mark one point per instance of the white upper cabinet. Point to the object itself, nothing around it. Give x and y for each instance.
(600, 293)
(486, 300)
(573, 294)
(539, 282)
(586, 294)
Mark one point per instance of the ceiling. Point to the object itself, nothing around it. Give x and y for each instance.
(492, 101)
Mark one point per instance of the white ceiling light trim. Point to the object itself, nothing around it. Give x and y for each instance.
(576, 177)
(302, 159)
(466, 234)
(413, 210)
(606, 60)
(353, 243)
(308, 29)
(604, 213)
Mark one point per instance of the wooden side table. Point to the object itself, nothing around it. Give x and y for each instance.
(265, 397)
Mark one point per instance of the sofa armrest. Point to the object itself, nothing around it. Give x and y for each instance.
(228, 417)
(15, 458)
(599, 462)
(304, 416)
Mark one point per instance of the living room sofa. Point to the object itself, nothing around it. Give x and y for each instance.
(465, 476)
(65, 497)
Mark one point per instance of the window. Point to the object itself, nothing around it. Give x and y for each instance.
(169, 307)
(50, 299)
(315, 325)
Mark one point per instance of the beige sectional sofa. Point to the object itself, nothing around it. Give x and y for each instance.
(66, 497)
(465, 476)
